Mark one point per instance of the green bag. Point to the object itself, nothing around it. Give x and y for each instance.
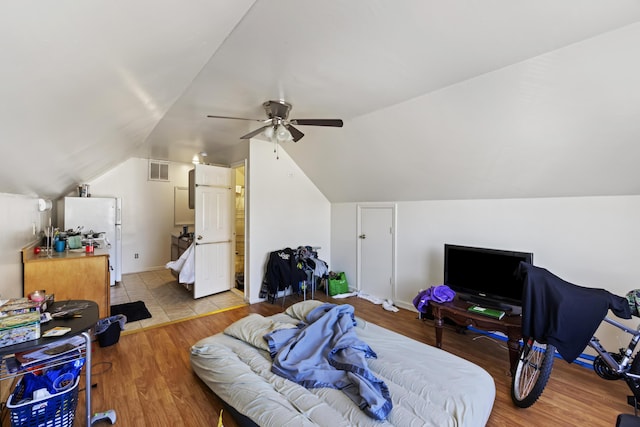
(338, 284)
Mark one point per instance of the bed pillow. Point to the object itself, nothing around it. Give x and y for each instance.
(253, 328)
(300, 309)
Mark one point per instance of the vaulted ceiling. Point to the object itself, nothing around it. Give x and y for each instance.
(440, 99)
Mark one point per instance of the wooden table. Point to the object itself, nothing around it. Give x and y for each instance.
(456, 311)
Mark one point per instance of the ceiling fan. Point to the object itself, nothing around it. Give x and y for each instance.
(279, 126)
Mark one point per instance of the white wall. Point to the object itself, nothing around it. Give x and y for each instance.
(147, 211)
(590, 241)
(285, 209)
(19, 216)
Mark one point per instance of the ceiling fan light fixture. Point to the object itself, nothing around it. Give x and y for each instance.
(283, 134)
(269, 132)
(278, 127)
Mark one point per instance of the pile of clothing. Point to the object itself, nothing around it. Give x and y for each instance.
(440, 293)
(290, 268)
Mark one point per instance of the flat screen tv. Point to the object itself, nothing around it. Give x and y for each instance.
(485, 276)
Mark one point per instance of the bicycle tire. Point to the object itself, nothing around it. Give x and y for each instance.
(532, 372)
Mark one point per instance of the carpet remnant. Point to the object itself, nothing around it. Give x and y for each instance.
(133, 310)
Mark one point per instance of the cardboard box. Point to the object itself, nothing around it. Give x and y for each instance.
(18, 306)
(19, 328)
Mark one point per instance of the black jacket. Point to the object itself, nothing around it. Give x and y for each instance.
(563, 314)
(283, 271)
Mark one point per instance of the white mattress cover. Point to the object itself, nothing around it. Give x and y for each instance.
(429, 386)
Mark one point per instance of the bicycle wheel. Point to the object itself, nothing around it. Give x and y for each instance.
(532, 373)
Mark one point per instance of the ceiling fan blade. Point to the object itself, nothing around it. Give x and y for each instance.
(318, 122)
(296, 135)
(255, 132)
(235, 118)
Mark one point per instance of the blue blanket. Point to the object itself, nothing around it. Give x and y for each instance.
(326, 352)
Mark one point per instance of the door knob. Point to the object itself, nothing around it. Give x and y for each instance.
(199, 237)
(363, 236)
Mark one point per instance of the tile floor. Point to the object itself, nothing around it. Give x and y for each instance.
(166, 299)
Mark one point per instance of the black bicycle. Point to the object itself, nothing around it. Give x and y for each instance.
(536, 361)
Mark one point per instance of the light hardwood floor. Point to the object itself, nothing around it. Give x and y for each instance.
(147, 378)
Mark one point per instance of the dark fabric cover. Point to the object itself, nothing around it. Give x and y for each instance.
(563, 314)
(627, 420)
(283, 271)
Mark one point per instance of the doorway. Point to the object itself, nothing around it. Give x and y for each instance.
(376, 250)
(239, 230)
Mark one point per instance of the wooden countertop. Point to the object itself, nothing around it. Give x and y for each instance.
(29, 256)
(180, 237)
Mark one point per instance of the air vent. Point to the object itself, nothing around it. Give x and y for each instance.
(158, 170)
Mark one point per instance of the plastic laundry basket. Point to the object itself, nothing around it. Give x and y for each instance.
(57, 410)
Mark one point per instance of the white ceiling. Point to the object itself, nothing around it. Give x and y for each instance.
(440, 100)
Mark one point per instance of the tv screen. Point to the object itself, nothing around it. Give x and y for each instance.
(485, 276)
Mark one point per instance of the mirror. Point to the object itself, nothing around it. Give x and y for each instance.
(182, 215)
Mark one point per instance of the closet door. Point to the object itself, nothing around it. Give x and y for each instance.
(376, 250)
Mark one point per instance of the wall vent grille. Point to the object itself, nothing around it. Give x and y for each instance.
(158, 170)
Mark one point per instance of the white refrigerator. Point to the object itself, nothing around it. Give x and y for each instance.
(102, 215)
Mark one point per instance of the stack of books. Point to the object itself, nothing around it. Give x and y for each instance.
(19, 321)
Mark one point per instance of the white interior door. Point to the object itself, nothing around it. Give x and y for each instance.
(376, 250)
(213, 230)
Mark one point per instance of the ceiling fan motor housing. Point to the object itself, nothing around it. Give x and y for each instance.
(277, 109)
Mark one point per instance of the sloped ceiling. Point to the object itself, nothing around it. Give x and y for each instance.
(441, 100)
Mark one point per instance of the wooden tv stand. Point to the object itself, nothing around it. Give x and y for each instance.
(456, 311)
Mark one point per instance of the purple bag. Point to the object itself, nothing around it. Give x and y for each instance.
(441, 293)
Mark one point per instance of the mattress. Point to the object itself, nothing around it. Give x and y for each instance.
(428, 386)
